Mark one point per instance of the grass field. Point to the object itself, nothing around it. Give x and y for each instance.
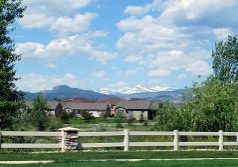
(73, 159)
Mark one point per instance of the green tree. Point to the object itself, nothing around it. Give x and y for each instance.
(40, 120)
(64, 116)
(171, 118)
(212, 105)
(11, 100)
(225, 63)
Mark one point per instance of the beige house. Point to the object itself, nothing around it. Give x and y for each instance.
(137, 109)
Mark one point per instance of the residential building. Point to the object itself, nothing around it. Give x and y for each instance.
(96, 109)
(53, 107)
(112, 101)
(138, 109)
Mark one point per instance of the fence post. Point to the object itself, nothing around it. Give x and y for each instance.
(69, 139)
(221, 140)
(126, 140)
(176, 139)
(237, 137)
(62, 141)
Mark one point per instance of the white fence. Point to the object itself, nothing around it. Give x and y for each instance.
(125, 143)
(31, 145)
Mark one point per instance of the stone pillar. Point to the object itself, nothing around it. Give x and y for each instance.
(69, 139)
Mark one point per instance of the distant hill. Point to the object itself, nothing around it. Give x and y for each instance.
(66, 92)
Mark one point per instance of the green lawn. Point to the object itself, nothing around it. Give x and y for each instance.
(82, 121)
(72, 159)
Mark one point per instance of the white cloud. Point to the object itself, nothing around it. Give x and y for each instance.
(100, 75)
(212, 13)
(65, 47)
(178, 37)
(182, 76)
(147, 34)
(158, 72)
(35, 20)
(118, 84)
(141, 10)
(43, 13)
(51, 65)
(175, 60)
(67, 25)
(37, 82)
(222, 33)
(130, 72)
(199, 68)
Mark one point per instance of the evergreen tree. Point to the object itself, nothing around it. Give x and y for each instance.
(11, 100)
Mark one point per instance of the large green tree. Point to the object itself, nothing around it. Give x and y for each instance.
(225, 59)
(39, 117)
(212, 106)
(11, 100)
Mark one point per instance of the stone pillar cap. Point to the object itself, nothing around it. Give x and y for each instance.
(69, 129)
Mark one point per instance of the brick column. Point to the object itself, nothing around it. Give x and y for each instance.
(69, 139)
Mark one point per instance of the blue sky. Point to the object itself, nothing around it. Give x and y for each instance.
(94, 44)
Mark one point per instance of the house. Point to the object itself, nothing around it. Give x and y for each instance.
(112, 101)
(53, 107)
(96, 109)
(137, 109)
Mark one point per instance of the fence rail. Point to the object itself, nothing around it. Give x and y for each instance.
(30, 145)
(64, 137)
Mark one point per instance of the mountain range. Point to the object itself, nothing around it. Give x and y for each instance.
(133, 90)
(66, 92)
(137, 92)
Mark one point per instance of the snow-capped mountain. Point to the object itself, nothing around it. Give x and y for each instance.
(133, 90)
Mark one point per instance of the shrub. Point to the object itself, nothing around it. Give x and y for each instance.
(55, 124)
(86, 115)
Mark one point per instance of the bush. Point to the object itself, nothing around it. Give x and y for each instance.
(86, 115)
(119, 119)
(64, 116)
(130, 119)
(55, 124)
(141, 120)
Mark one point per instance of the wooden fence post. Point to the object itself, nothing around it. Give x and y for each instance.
(126, 140)
(176, 140)
(221, 140)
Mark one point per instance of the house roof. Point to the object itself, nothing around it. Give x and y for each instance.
(51, 105)
(112, 100)
(154, 105)
(134, 105)
(87, 106)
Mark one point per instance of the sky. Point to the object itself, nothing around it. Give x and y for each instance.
(94, 44)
